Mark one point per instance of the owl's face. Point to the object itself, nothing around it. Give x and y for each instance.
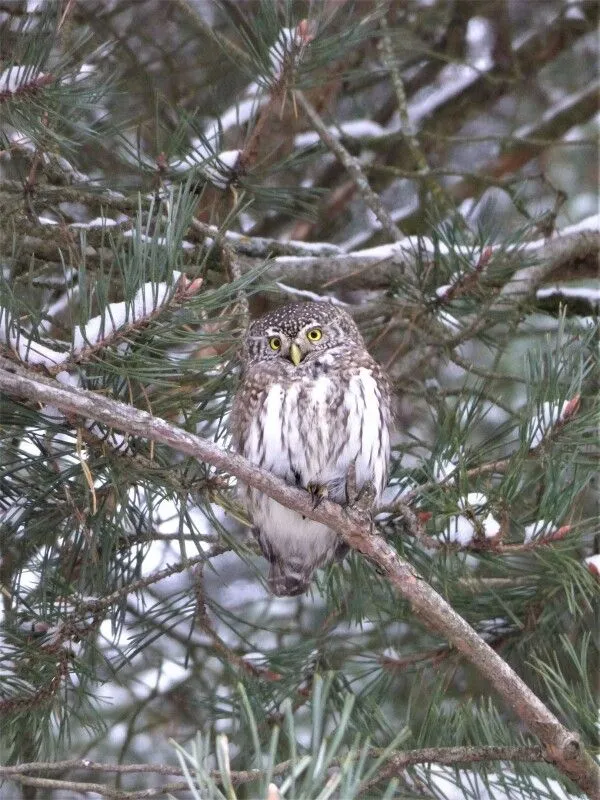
(298, 332)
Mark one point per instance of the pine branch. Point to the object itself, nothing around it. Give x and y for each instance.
(561, 747)
(43, 695)
(497, 466)
(396, 762)
(379, 267)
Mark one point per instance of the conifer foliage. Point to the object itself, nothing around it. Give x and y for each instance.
(168, 170)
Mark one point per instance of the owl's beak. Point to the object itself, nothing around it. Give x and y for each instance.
(295, 354)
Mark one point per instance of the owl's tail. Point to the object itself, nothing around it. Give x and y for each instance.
(288, 579)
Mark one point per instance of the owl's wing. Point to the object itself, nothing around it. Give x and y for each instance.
(391, 399)
(245, 408)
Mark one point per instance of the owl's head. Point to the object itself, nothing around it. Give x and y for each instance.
(298, 331)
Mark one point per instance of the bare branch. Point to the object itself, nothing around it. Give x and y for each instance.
(453, 756)
(438, 193)
(354, 169)
(396, 764)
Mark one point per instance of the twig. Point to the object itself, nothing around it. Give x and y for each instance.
(42, 695)
(142, 583)
(67, 10)
(442, 199)
(354, 169)
(396, 764)
(452, 756)
(234, 273)
(222, 648)
(561, 746)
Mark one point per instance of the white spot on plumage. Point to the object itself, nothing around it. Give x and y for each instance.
(271, 427)
(320, 392)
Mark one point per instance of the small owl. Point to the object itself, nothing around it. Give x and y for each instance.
(311, 403)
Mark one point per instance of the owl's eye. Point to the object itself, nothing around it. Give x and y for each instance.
(274, 342)
(315, 334)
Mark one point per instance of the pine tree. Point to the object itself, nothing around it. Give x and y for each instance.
(168, 170)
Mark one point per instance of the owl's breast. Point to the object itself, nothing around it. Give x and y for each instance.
(294, 430)
(312, 429)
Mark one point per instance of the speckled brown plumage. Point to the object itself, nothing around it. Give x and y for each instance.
(311, 402)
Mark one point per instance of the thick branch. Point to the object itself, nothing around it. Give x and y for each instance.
(571, 253)
(562, 747)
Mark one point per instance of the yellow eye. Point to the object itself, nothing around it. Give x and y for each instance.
(274, 342)
(315, 334)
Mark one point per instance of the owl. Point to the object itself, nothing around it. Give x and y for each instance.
(311, 403)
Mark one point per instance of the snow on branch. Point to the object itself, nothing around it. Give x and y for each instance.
(593, 565)
(116, 321)
(462, 282)
(378, 267)
(304, 265)
(119, 319)
(353, 129)
(549, 419)
(475, 522)
(18, 81)
(289, 48)
(543, 532)
(25, 346)
(584, 300)
(222, 166)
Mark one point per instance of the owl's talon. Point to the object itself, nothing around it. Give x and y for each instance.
(365, 499)
(318, 493)
(351, 490)
(361, 500)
